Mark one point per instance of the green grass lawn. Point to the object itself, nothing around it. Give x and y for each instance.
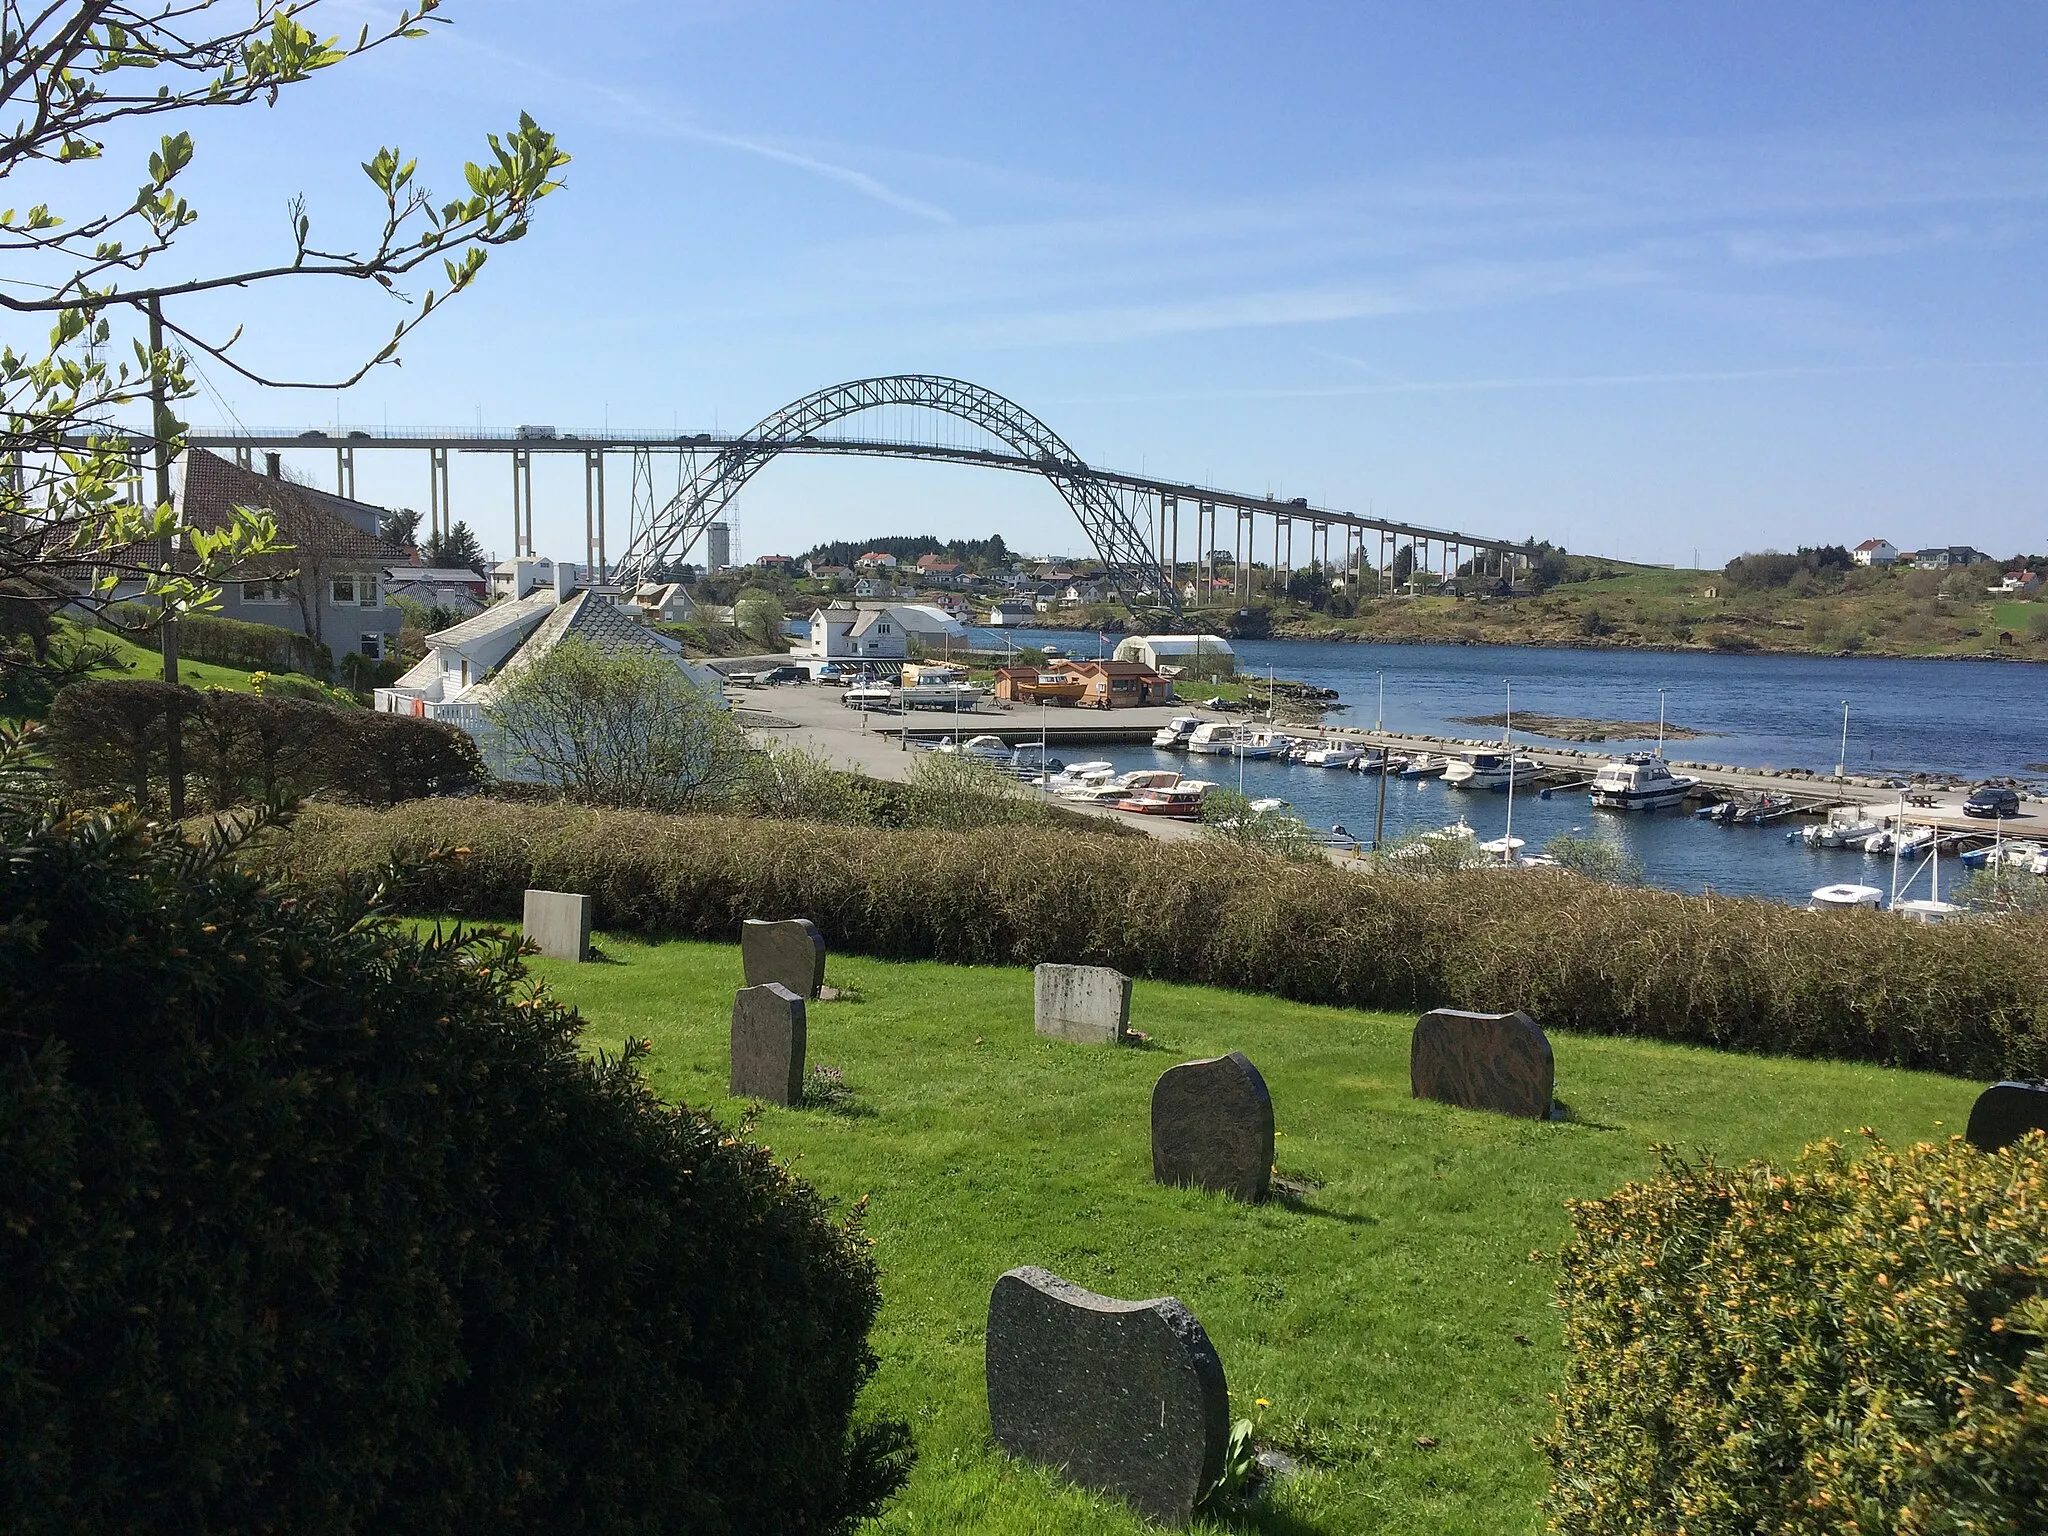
(144, 662)
(1407, 1298)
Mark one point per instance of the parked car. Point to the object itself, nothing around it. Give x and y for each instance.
(786, 674)
(1992, 800)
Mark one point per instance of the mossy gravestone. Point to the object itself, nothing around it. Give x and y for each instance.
(1087, 1004)
(790, 951)
(1495, 1061)
(767, 1044)
(1124, 1397)
(558, 924)
(1212, 1127)
(2005, 1112)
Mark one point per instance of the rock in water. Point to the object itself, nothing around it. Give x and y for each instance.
(1087, 1004)
(1124, 1397)
(1496, 1061)
(1212, 1126)
(767, 1044)
(558, 923)
(790, 951)
(2005, 1112)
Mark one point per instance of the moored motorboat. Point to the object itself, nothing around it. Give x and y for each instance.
(1482, 769)
(1173, 736)
(1640, 782)
(1081, 776)
(1335, 754)
(1845, 897)
(1122, 787)
(1182, 801)
(1214, 737)
(1422, 766)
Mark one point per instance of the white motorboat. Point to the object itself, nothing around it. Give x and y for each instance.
(1173, 736)
(1640, 782)
(1215, 737)
(1503, 848)
(986, 749)
(1845, 898)
(1481, 769)
(1372, 760)
(1459, 831)
(1422, 766)
(1335, 754)
(1081, 775)
(1924, 910)
(1180, 802)
(1270, 807)
(1121, 787)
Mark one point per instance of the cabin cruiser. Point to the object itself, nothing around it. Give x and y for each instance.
(1173, 736)
(1182, 801)
(1214, 736)
(1479, 769)
(1374, 760)
(1078, 775)
(1333, 754)
(1123, 787)
(984, 749)
(1638, 783)
(1422, 766)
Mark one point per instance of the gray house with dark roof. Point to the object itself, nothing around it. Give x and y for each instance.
(330, 584)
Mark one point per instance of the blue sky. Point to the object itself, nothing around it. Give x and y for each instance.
(1642, 279)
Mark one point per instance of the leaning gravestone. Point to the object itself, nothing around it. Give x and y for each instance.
(767, 1044)
(1496, 1061)
(1124, 1397)
(1212, 1126)
(558, 923)
(791, 952)
(1087, 1004)
(2005, 1112)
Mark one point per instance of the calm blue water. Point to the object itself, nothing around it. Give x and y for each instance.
(1976, 719)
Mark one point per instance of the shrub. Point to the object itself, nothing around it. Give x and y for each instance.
(1850, 1345)
(791, 784)
(1969, 998)
(624, 728)
(108, 741)
(365, 674)
(1228, 817)
(307, 1224)
(1596, 858)
(950, 790)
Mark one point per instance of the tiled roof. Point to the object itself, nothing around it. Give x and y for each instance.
(305, 519)
(498, 618)
(586, 616)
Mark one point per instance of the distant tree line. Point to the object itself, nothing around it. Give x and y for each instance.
(1772, 568)
(982, 554)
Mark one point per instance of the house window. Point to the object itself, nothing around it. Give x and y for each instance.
(344, 590)
(265, 592)
(370, 646)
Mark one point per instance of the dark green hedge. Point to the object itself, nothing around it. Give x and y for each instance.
(237, 643)
(1851, 1346)
(1969, 998)
(108, 741)
(308, 1225)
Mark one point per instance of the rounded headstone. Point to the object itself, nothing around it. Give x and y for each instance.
(767, 1044)
(1124, 1397)
(789, 951)
(1212, 1127)
(1495, 1061)
(2005, 1112)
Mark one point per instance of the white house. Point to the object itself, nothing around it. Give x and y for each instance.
(2020, 583)
(1876, 552)
(665, 602)
(880, 631)
(1162, 651)
(1012, 611)
(467, 662)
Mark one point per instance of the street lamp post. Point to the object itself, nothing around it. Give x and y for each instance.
(1842, 766)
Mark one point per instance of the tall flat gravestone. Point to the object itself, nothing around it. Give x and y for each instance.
(1496, 1061)
(1087, 1004)
(558, 922)
(791, 952)
(767, 1044)
(1124, 1397)
(2005, 1112)
(1212, 1126)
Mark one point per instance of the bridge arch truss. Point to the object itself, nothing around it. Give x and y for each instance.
(1131, 563)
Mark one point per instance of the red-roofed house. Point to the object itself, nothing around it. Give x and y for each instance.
(1876, 552)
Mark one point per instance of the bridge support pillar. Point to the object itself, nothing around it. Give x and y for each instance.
(593, 513)
(345, 471)
(522, 502)
(439, 520)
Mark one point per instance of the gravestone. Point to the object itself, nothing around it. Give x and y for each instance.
(1212, 1126)
(791, 952)
(2005, 1112)
(1087, 1004)
(1496, 1061)
(767, 1044)
(1124, 1397)
(558, 923)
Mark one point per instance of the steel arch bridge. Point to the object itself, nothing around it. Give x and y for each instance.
(1130, 564)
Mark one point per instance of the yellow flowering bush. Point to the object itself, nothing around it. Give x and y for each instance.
(1856, 1344)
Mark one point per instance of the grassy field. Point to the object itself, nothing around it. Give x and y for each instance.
(1393, 1325)
(139, 662)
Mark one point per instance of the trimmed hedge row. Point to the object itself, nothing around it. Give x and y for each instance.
(238, 643)
(108, 741)
(309, 1225)
(1969, 998)
(1850, 1346)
